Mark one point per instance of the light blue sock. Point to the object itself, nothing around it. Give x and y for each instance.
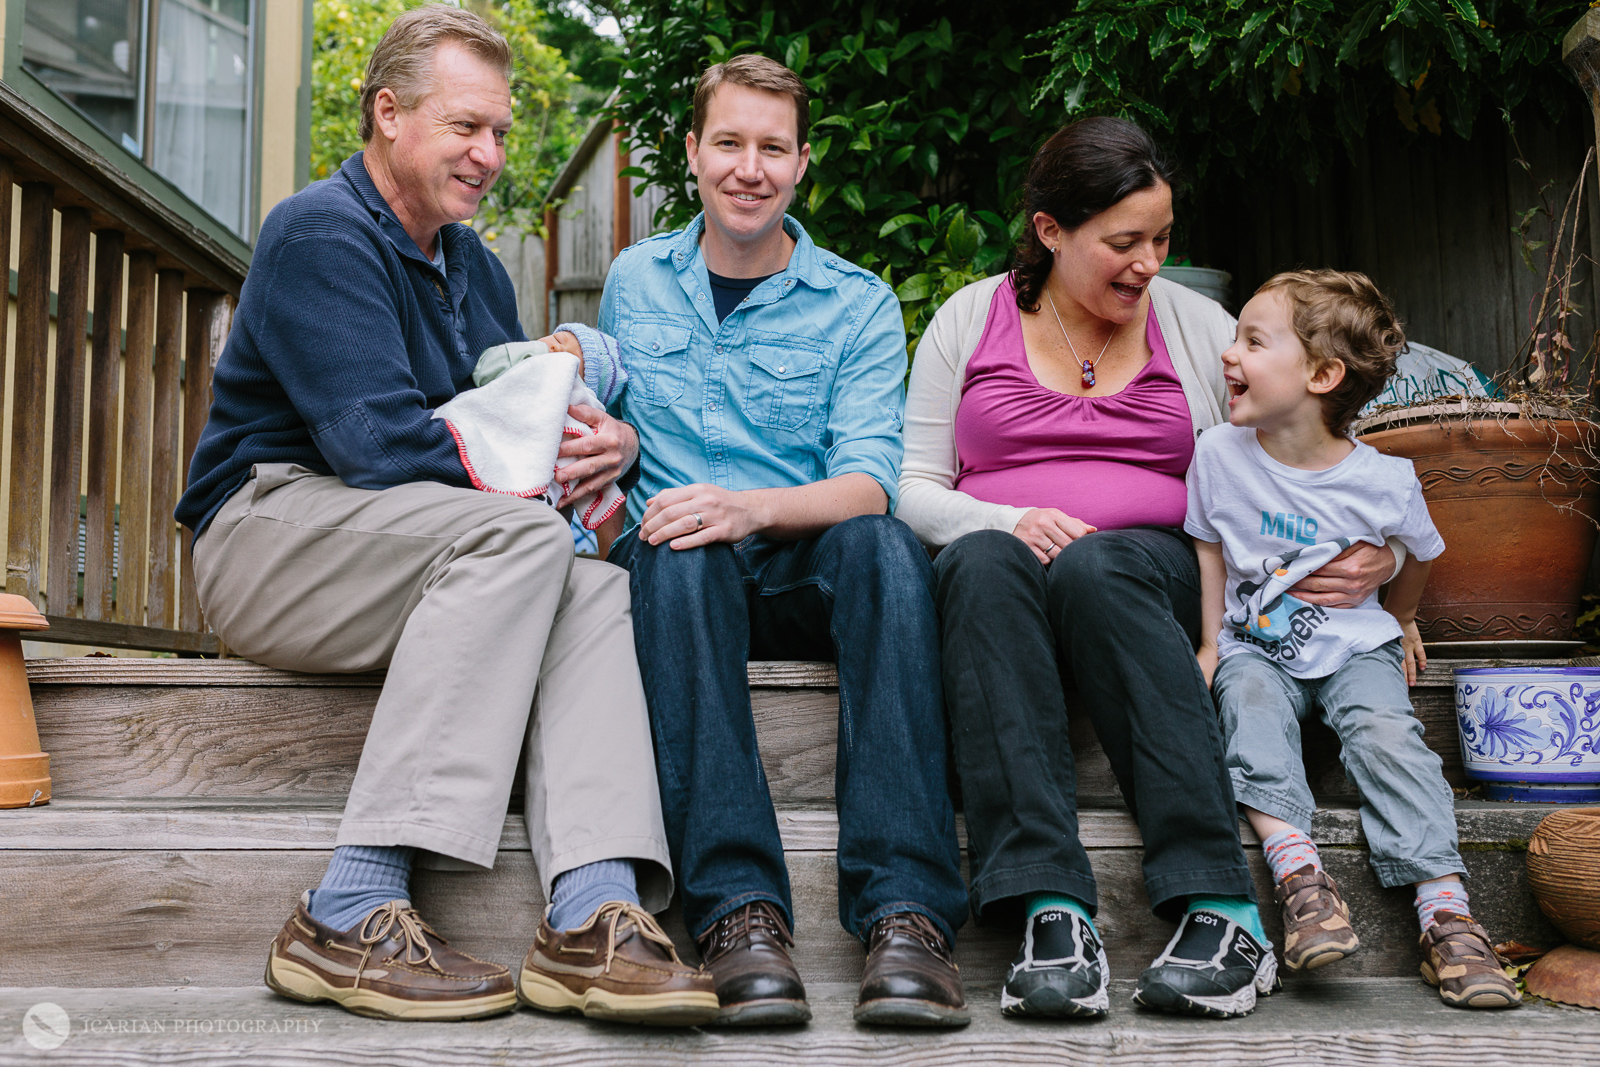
(360, 878)
(1037, 902)
(1239, 909)
(578, 893)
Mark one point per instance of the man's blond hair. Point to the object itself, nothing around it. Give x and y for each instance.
(754, 72)
(403, 60)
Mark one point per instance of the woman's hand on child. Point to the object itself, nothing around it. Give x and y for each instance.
(1416, 655)
(1208, 662)
(1047, 531)
(1349, 578)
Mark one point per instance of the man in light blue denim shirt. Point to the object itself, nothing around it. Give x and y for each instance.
(767, 389)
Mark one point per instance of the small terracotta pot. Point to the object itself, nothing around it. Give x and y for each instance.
(1513, 498)
(24, 770)
(1564, 873)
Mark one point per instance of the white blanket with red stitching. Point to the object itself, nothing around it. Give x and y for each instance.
(509, 431)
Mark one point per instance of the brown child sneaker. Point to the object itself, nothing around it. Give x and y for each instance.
(1316, 922)
(1459, 959)
(620, 966)
(391, 965)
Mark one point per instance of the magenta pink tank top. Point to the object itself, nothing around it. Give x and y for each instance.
(1112, 461)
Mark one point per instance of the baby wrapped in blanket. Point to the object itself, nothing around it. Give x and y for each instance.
(510, 428)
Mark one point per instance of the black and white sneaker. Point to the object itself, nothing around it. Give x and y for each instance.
(1061, 970)
(1212, 966)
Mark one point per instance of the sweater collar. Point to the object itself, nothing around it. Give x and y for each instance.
(451, 234)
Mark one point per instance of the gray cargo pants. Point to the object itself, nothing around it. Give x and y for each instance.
(497, 642)
(1407, 809)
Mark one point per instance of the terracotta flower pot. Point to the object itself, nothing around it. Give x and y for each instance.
(1564, 873)
(24, 770)
(1514, 499)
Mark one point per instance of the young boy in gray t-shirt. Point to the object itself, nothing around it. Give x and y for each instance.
(1273, 497)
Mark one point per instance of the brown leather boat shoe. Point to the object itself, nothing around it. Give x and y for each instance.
(620, 966)
(391, 965)
(1316, 922)
(1458, 958)
(747, 952)
(910, 977)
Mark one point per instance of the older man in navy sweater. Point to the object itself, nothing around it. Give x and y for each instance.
(337, 529)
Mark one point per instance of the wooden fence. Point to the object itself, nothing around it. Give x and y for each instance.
(105, 405)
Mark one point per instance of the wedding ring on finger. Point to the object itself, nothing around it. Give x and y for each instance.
(698, 520)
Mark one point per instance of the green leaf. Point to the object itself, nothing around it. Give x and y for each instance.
(717, 47)
(851, 194)
(900, 155)
(900, 222)
(819, 149)
(835, 119)
(916, 287)
(877, 59)
(798, 53)
(928, 159)
(963, 237)
(819, 196)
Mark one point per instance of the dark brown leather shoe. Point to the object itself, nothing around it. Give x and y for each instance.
(620, 966)
(910, 978)
(747, 952)
(391, 965)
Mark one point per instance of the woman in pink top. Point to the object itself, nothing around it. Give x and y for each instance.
(1050, 421)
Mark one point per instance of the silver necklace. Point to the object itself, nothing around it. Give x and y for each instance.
(1088, 368)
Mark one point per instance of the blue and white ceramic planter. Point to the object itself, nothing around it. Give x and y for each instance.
(1531, 733)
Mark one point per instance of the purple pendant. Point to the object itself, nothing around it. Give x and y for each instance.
(1088, 375)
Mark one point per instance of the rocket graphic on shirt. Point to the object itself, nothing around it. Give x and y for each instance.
(1267, 613)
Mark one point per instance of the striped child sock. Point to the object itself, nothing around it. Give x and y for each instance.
(1289, 850)
(1441, 894)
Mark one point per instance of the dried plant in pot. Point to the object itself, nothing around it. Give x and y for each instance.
(1514, 483)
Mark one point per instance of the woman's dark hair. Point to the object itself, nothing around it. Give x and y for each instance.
(1083, 169)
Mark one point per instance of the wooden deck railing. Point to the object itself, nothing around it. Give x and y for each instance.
(115, 396)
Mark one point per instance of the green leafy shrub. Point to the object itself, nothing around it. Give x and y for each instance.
(546, 132)
(922, 124)
(1267, 81)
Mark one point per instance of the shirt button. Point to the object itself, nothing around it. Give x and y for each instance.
(699, 296)
(656, 345)
(782, 369)
(719, 349)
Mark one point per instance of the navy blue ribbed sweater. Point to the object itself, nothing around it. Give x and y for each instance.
(345, 339)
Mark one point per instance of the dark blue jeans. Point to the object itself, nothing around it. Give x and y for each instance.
(859, 594)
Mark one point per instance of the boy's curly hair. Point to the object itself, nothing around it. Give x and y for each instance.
(1341, 316)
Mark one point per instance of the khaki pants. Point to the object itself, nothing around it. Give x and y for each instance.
(497, 641)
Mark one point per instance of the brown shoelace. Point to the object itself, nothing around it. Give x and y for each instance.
(615, 913)
(737, 925)
(913, 924)
(404, 925)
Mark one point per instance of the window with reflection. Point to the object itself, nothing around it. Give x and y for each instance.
(169, 80)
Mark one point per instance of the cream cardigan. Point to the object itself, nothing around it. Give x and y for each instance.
(1196, 329)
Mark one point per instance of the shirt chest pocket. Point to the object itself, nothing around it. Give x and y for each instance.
(657, 354)
(786, 376)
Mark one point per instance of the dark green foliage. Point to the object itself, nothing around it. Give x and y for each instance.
(1267, 82)
(926, 113)
(922, 123)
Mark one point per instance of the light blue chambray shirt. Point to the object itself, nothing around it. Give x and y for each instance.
(804, 380)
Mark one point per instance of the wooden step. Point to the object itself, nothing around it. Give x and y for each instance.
(171, 892)
(229, 728)
(1397, 1022)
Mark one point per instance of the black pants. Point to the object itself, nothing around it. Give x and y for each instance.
(1117, 614)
